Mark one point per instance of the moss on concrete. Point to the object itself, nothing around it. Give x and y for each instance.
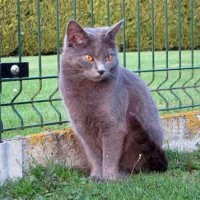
(192, 120)
(36, 139)
(40, 138)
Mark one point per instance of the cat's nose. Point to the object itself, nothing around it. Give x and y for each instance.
(101, 71)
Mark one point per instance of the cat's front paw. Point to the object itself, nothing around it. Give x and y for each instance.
(96, 178)
(122, 175)
(96, 174)
(118, 176)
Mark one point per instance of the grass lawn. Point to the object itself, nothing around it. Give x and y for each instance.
(181, 181)
(181, 83)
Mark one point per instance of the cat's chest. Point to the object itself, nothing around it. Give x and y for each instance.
(90, 104)
(83, 97)
(83, 107)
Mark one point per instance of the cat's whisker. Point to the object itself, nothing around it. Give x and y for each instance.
(70, 68)
(72, 76)
(113, 75)
(75, 77)
(75, 69)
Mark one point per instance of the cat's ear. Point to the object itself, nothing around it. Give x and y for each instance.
(75, 33)
(112, 32)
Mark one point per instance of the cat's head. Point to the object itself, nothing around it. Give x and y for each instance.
(91, 52)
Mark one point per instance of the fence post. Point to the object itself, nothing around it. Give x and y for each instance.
(1, 123)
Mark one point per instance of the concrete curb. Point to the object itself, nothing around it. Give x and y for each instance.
(182, 132)
(10, 160)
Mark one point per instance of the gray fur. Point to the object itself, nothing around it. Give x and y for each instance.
(99, 105)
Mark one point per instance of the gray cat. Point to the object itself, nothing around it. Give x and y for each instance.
(112, 112)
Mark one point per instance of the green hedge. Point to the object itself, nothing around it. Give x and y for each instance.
(29, 32)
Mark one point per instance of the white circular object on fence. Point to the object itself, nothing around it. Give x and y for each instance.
(15, 69)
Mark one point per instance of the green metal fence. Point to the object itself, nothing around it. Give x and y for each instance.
(173, 76)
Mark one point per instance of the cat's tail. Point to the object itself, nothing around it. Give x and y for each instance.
(155, 158)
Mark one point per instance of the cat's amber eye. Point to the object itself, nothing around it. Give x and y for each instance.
(89, 58)
(109, 58)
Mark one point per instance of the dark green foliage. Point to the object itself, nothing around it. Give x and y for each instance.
(30, 13)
